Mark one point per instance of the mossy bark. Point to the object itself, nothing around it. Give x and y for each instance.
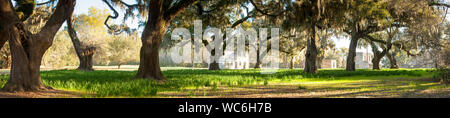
(27, 49)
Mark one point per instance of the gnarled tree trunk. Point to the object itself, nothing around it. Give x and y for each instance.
(84, 52)
(27, 49)
(311, 53)
(392, 60)
(376, 62)
(377, 55)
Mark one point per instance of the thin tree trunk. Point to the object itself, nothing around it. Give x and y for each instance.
(291, 65)
(311, 53)
(213, 65)
(27, 49)
(258, 58)
(352, 53)
(84, 52)
(118, 65)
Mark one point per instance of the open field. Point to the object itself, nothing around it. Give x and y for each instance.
(241, 83)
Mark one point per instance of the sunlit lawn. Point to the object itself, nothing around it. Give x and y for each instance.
(249, 83)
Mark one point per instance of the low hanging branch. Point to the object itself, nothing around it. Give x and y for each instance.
(118, 29)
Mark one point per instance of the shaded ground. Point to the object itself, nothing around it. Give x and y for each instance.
(42, 94)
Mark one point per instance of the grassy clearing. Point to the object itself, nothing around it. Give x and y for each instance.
(226, 83)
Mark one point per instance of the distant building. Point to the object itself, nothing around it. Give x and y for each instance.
(363, 60)
(329, 63)
(238, 62)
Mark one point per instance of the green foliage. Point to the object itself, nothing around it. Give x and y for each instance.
(121, 49)
(5, 56)
(90, 29)
(61, 53)
(94, 19)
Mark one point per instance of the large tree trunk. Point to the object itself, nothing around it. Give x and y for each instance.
(27, 49)
(3, 38)
(84, 52)
(352, 53)
(149, 67)
(26, 59)
(152, 35)
(311, 53)
(159, 17)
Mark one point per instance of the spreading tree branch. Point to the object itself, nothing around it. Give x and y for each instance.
(44, 3)
(115, 16)
(177, 8)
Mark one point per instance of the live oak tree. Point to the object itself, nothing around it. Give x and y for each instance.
(84, 50)
(409, 20)
(325, 44)
(314, 16)
(27, 48)
(291, 44)
(377, 54)
(231, 14)
(363, 17)
(160, 13)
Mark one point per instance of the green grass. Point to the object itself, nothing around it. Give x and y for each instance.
(121, 84)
